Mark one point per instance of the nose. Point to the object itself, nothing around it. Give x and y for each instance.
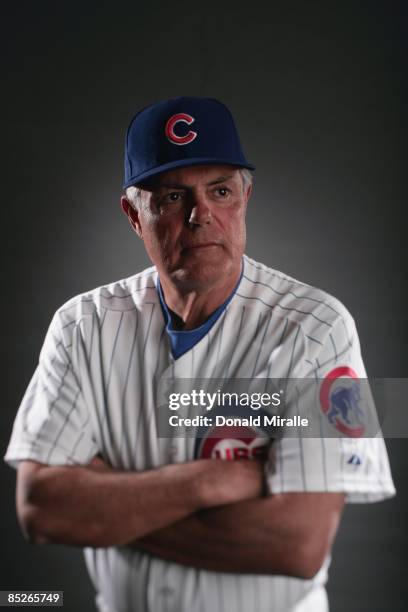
(200, 211)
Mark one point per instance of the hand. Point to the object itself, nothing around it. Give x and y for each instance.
(97, 463)
(227, 482)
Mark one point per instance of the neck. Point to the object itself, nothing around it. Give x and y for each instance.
(193, 307)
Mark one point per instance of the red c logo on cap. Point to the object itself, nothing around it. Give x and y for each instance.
(169, 129)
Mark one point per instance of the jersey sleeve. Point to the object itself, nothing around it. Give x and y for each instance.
(356, 466)
(52, 424)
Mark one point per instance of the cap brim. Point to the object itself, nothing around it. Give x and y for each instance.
(183, 163)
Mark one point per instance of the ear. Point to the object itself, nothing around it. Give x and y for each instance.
(248, 192)
(132, 215)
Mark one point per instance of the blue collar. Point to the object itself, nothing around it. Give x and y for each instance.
(182, 341)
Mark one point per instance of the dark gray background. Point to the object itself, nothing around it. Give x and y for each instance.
(318, 91)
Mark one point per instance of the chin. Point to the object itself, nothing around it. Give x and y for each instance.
(201, 276)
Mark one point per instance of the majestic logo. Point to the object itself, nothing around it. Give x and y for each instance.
(354, 460)
(340, 398)
(171, 124)
(231, 442)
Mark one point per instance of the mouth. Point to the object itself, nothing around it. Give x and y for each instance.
(201, 246)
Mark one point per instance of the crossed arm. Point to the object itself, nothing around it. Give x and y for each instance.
(287, 534)
(207, 514)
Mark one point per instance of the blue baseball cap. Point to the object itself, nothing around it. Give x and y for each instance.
(185, 131)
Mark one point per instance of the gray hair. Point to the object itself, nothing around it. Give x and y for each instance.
(134, 194)
(247, 177)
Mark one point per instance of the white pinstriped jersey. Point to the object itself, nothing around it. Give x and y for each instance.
(94, 391)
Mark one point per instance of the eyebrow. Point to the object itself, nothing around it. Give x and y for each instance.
(171, 185)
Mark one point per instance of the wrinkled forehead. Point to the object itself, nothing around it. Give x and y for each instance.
(193, 176)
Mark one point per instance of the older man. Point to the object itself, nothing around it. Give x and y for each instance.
(166, 526)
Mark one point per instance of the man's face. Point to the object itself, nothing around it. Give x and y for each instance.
(192, 222)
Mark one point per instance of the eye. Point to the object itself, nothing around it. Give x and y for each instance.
(223, 191)
(173, 196)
